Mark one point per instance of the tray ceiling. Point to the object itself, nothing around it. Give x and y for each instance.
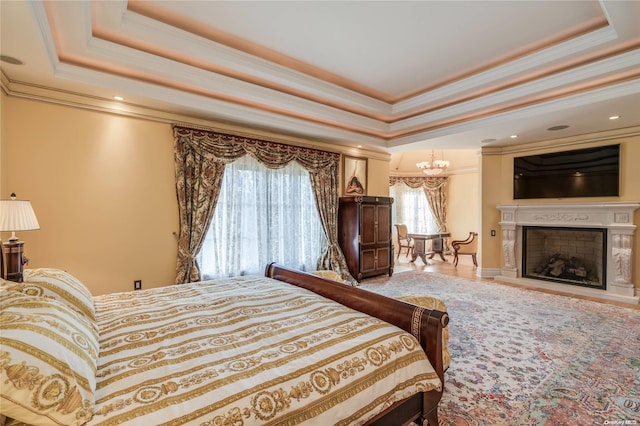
(388, 75)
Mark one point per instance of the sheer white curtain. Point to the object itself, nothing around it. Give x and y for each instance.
(263, 215)
(410, 207)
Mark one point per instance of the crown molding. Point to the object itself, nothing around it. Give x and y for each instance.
(590, 138)
(80, 101)
(450, 172)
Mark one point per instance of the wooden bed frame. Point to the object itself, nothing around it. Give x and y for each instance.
(426, 325)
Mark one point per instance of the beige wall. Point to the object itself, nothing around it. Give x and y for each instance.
(102, 187)
(492, 190)
(3, 128)
(463, 208)
(378, 177)
(497, 187)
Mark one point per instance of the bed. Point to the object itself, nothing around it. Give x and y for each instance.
(253, 350)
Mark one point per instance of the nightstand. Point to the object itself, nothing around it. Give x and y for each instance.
(15, 259)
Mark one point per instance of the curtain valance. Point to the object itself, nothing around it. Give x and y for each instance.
(227, 148)
(429, 183)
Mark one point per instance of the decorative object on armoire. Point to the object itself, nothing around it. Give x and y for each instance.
(354, 175)
(15, 215)
(364, 235)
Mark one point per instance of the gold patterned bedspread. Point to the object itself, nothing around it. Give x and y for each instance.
(248, 351)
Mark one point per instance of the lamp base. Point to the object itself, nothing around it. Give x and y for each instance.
(14, 260)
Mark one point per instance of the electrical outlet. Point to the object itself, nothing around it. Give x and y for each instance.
(137, 285)
(493, 232)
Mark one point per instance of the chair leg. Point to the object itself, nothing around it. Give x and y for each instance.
(455, 259)
(475, 261)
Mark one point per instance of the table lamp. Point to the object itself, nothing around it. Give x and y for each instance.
(15, 215)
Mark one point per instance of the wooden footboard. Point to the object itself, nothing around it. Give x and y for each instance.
(426, 325)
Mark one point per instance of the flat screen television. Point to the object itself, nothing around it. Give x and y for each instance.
(588, 172)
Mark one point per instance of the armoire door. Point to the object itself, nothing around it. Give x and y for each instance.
(368, 230)
(383, 221)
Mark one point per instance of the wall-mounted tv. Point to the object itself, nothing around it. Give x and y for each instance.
(589, 172)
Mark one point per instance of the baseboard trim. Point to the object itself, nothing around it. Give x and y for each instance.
(487, 272)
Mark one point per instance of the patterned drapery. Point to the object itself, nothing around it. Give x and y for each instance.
(435, 189)
(200, 158)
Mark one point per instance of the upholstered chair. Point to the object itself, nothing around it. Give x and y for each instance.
(404, 241)
(468, 246)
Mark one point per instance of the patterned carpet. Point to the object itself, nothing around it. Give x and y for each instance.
(521, 357)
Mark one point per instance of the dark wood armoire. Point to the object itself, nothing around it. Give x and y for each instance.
(364, 235)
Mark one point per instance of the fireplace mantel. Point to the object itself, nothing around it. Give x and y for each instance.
(616, 217)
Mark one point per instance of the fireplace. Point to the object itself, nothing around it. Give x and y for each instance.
(574, 256)
(584, 249)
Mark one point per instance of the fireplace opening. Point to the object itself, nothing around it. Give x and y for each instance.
(575, 256)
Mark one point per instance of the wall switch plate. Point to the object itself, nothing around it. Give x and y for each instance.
(137, 285)
(493, 232)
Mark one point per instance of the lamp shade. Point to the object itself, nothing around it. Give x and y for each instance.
(17, 215)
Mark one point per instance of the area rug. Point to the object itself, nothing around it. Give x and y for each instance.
(522, 357)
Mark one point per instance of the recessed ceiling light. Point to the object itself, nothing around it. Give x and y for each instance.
(560, 127)
(118, 98)
(11, 60)
(614, 117)
(513, 136)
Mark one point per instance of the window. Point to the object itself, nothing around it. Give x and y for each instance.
(410, 207)
(263, 215)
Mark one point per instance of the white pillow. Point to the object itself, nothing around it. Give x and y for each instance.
(60, 285)
(48, 361)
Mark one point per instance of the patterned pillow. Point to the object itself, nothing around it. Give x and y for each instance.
(7, 294)
(59, 285)
(329, 275)
(48, 360)
(429, 302)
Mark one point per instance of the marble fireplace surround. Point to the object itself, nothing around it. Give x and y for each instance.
(616, 218)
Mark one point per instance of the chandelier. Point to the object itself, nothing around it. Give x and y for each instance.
(435, 167)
